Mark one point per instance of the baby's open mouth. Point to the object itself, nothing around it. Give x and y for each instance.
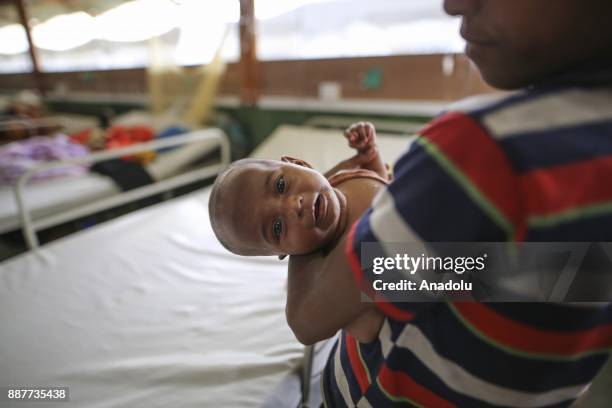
(317, 208)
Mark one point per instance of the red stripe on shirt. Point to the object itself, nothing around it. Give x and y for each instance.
(552, 190)
(481, 160)
(356, 364)
(387, 308)
(400, 385)
(521, 337)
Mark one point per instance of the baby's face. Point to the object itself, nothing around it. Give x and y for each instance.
(278, 208)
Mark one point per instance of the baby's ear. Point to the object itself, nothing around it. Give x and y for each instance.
(281, 257)
(299, 162)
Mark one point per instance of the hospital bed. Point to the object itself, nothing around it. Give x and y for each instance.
(52, 202)
(148, 310)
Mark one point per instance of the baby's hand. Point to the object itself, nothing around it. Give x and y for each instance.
(361, 137)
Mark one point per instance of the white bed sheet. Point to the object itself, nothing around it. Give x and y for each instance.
(146, 311)
(149, 310)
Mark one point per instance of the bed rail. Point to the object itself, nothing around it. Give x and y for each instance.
(66, 123)
(216, 137)
(28, 124)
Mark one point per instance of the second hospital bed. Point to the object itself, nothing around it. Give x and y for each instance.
(48, 199)
(148, 310)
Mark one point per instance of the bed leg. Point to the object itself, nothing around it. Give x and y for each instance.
(306, 375)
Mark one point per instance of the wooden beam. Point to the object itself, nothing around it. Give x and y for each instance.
(249, 70)
(24, 18)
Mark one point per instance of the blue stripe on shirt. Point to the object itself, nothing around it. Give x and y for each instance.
(551, 316)
(559, 146)
(452, 340)
(595, 228)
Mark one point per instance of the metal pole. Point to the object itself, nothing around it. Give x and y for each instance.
(24, 17)
(248, 54)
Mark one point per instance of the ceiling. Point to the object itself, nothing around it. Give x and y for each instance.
(42, 10)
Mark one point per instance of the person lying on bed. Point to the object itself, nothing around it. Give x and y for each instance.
(271, 207)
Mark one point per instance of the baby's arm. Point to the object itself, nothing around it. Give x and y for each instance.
(355, 162)
(361, 137)
(321, 303)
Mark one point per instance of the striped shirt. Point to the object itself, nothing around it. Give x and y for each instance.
(533, 166)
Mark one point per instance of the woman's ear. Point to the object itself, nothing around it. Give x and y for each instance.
(299, 162)
(281, 257)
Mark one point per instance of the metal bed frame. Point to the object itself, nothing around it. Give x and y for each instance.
(30, 226)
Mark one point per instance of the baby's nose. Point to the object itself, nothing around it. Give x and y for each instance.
(294, 206)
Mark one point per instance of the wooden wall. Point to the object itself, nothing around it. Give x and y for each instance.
(401, 78)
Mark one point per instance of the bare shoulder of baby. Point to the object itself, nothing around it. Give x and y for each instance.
(359, 194)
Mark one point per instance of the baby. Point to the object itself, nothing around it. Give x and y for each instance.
(270, 207)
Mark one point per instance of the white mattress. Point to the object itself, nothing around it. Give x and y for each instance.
(324, 148)
(47, 197)
(149, 310)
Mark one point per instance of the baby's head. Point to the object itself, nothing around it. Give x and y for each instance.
(271, 207)
(520, 42)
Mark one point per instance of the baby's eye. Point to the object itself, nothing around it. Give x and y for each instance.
(280, 184)
(277, 228)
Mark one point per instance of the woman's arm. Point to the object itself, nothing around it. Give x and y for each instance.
(322, 298)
